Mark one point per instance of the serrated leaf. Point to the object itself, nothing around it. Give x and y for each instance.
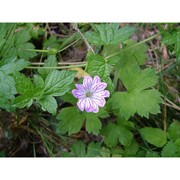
(6, 104)
(114, 133)
(21, 37)
(169, 150)
(93, 149)
(97, 65)
(105, 34)
(49, 104)
(22, 101)
(131, 149)
(144, 102)
(24, 84)
(137, 98)
(172, 37)
(49, 62)
(7, 86)
(57, 82)
(137, 80)
(14, 65)
(173, 131)
(23, 53)
(71, 121)
(135, 53)
(93, 123)
(154, 136)
(78, 149)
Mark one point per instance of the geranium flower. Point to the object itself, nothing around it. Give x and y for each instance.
(91, 94)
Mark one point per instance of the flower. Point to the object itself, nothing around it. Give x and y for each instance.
(91, 94)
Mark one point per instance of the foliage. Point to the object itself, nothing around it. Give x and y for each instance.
(37, 79)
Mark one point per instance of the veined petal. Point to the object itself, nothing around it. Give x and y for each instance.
(78, 93)
(80, 87)
(104, 93)
(88, 105)
(100, 101)
(98, 87)
(81, 104)
(87, 82)
(96, 80)
(95, 106)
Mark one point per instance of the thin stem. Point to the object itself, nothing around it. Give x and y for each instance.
(69, 45)
(61, 67)
(60, 63)
(115, 54)
(85, 40)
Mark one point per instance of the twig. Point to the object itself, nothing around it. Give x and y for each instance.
(171, 104)
(85, 40)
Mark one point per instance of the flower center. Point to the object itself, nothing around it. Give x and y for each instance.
(88, 94)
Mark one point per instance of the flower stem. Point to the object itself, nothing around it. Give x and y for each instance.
(57, 67)
(145, 40)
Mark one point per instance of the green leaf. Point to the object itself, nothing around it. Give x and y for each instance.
(173, 131)
(97, 65)
(154, 136)
(171, 36)
(137, 98)
(71, 120)
(7, 86)
(24, 84)
(169, 150)
(78, 149)
(24, 87)
(131, 149)
(57, 82)
(14, 65)
(6, 104)
(93, 149)
(152, 154)
(105, 34)
(49, 62)
(93, 123)
(18, 45)
(134, 52)
(114, 133)
(52, 42)
(136, 80)
(126, 104)
(23, 53)
(49, 104)
(22, 101)
(177, 144)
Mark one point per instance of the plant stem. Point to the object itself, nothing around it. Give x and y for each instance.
(57, 67)
(115, 54)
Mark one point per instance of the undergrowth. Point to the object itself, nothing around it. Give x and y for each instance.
(40, 63)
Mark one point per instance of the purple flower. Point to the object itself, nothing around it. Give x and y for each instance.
(91, 94)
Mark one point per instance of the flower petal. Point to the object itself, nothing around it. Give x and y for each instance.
(81, 104)
(103, 94)
(80, 87)
(100, 101)
(87, 82)
(96, 80)
(78, 93)
(95, 106)
(98, 87)
(88, 105)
